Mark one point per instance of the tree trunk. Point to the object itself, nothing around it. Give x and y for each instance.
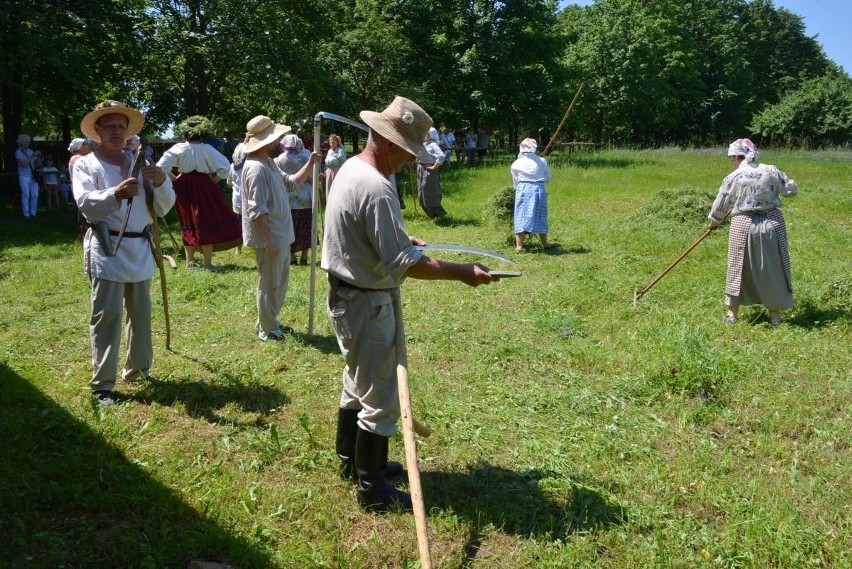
(12, 120)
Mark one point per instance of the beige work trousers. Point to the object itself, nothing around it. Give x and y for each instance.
(273, 277)
(109, 300)
(365, 325)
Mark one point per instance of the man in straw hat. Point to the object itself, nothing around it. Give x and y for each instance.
(367, 254)
(267, 222)
(116, 250)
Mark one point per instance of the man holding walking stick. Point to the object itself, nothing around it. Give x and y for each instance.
(116, 249)
(367, 255)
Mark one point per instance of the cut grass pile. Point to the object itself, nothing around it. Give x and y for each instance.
(570, 429)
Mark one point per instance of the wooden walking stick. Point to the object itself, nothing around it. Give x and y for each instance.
(564, 118)
(637, 294)
(157, 250)
(408, 429)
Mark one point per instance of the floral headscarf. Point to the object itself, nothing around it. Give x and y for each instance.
(528, 145)
(744, 147)
(291, 142)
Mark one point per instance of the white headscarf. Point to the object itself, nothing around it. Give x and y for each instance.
(76, 145)
(744, 147)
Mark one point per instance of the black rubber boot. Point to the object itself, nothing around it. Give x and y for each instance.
(347, 433)
(371, 462)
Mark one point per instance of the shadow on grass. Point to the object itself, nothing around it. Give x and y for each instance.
(325, 344)
(807, 314)
(203, 400)
(70, 499)
(557, 249)
(451, 220)
(810, 315)
(554, 250)
(489, 496)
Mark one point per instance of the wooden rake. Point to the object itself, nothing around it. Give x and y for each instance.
(637, 294)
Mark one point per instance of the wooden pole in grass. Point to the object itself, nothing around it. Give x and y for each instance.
(564, 118)
(408, 429)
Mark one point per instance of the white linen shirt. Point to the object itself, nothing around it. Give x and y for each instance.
(94, 191)
(290, 162)
(195, 157)
(264, 192)
(435, 151)
(530, 167)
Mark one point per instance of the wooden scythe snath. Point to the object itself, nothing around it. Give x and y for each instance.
(564, 118)
(409, 427)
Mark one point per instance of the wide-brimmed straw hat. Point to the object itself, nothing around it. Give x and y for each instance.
(405, 124)
(262, 130)
(135, 120)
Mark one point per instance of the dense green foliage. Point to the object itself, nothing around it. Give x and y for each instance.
(569, 428)
(661, 72)
(820, 113)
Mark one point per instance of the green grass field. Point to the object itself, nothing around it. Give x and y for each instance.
(569, 429)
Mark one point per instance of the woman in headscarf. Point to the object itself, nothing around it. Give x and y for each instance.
(529, 174)
(79, 147)
(758, 258)
(206, 220)
(291, 161)
(429, 177)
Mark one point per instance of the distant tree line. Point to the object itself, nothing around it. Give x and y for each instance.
(683, 72)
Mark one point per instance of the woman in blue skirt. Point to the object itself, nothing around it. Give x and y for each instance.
(529, 174)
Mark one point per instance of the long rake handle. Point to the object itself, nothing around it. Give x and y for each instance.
(564, 118)
(673, 263)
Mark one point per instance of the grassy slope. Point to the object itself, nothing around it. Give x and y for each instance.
(570, 429)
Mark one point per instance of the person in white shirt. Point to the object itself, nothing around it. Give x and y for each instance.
(267, 224)
(447, 142)
(429, 177)
(206, 221)
(529, 174)
(758, 257)
(368, 254)
(117, 253)
(26, 158)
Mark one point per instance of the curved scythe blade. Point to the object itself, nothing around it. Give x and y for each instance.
(465, 249)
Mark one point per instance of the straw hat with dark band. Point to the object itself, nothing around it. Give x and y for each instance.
(405, 124)
(260, 131)
(135, 120)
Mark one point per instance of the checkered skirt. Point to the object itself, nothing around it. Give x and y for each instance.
(737, 239)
